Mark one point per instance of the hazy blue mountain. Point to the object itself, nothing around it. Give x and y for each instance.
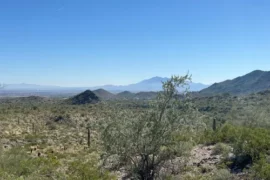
(152, 84)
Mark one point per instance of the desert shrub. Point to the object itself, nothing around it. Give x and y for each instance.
(34, 138)
(17, 163)
(221, 149)
(222, 174)
(206, 169)
(88, 169)
(252, 142)
(51, 125)
(226, 134)
(248, 143)
(244, 140)
(190, 176)
(261, 169)
(13, 162)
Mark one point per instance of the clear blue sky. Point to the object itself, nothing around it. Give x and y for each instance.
(95, 42)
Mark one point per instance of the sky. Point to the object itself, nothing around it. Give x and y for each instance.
(97, 42)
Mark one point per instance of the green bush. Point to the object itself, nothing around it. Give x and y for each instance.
(227, 134)
(85, 170)
(221, 149)
(17, 163)
(222, 174)
(145, 141)
(250, 146)
(261, 169)
(246, 141)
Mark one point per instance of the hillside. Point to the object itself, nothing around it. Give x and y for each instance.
(255, 81)
(138, 96)
(103, 94)
(30, 100)
(125, 95)
(54, 137)
(86, 97)
(146, 95)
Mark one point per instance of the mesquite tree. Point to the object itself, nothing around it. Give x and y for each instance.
(143, 142)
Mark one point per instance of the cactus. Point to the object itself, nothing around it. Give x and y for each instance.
(214, 124)
(88, 137)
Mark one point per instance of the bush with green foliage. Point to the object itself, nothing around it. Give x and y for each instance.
(221, 149)
(261, 169)
(17, 163)
(82, 169)
(143, 142)
(250, 144)
(222, 174)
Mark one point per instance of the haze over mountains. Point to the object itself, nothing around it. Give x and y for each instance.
(252, 82)
(153, 84)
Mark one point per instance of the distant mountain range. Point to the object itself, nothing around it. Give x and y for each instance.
(253, 82)
(153, 84)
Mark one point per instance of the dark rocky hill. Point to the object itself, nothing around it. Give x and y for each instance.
(86, 97)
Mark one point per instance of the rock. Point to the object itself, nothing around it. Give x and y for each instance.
(87, 97)
(201, 156)
(231, 156)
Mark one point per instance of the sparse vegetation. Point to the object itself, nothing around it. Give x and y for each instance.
(169, 137)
